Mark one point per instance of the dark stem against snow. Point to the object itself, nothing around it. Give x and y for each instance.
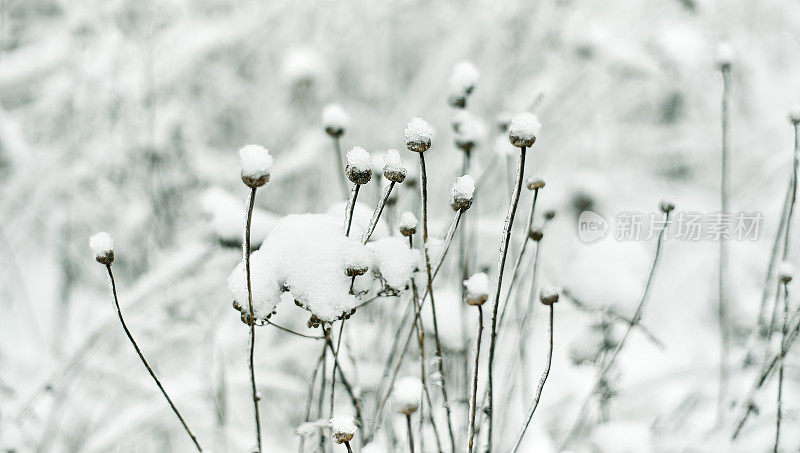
(351, 205)
(348, 386)
(376, 215)
(612, 357)
(475, 380)
(310, 395)
(781, 364)
(722, 310)
(144, 361)
(251, 319)
(512, 209)
(440, 361)
(538, 395)
(349, 449)
(410, 435)
(335, 364)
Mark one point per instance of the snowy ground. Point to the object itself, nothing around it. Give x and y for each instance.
(127, 116)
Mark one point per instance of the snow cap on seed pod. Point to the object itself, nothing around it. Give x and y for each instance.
(666, 206)
(393, 168)
(794, 115)
(534, 183)
(549, 295)
(462, 81)
(407, 224)
(103, 247)
(359, 165)
(462, 193)
(477, 287)
(536, 234)
(335, 120)
(523, 129)
(469, 132)
(343, 429)
(724, 57)
(418, 135)
(357, 259)
(406, 395)
(785, 271)
(256, 164)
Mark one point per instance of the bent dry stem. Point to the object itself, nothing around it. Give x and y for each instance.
(144, 361)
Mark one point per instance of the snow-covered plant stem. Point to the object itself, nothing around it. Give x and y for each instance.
(475, 380)
(781, 363)
(251, 320)
(542, 381)
(512, 209)
(410, 434)
(335, 363)
(337, 149)
(376, 215)
(440, 360)
(349, 448)
(722, 310)
(637, 317)
(351, 203)
(144, 361)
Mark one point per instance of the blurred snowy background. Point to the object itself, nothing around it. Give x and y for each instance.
(125, 116)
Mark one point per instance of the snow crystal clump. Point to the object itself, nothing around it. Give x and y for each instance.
(342, 428)
(462, 192)
(523, 129)
(393, 168)
(477, 288)
(407, 223)
(462, 81)
(394, 261)
(305, 255)
(256, 164)
(406, 395)
(103, 247)
(357, 260)
(418, 135)
(335, 120)
(359, 165)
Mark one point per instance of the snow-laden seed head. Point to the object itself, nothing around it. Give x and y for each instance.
(357, 259)
(393, 168)
(523, 129)
(666, 207)
(477, 287)
(359, 165)
(794, 115)
(343, 429)
(462, 81)
(724, 58)
(549, 295)
(407, 224)
(534, 183)
(462, 193)
(418, 135)
(103, 247)
(468, 131)
(335, 120)
(785, 272)
(536, 234)
(406, 395)
(256, 164)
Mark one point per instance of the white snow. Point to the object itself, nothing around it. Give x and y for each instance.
(101, 244)
(406, 395)
(785, 271)
(407, 220)
(304, 253)
(549, 294)
(255, 160)
(477, 288)
(468, 128)
(463, 78)
(357, 256)
(524, 125)
(227, 217)
(393, 162)
(359, 159)
(503, 148)
(302, 65)
(463, 188)
(622, 437)
(394, 260)
(334, 118)
(418, 130)
(362, 214)
(342, 428)
(725, 55)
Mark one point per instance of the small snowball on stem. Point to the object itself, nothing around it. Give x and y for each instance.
(523, 129)
(418, 135)
(343, 429)
(103, 247)
(462, 193)
(407, 392)
(477, 289)
(394, 169)
(407, 224)
(359, 166)
(335, 120)
(256, 164)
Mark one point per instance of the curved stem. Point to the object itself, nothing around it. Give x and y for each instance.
(512, 209)
(475, 380)
(144, 361)
(538, 395)
(252, 319)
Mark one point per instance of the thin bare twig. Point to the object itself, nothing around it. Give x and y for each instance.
(781, 364)
(410, 435)
(251, 320)
(722, 311)
(475, 381)
(351, 205)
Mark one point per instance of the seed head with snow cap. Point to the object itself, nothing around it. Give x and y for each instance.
(785, 271)
(462, 81)
(256, 164)
(343, 429)
(407, 224)
(406, 395)
(549, 295)
(394, 169)
(335, 120)
(418, 135)
(523, 129)
(477, 289)
(724, 57)
(794, 115)
(359, 166)
(103, 247)
(462, 193)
